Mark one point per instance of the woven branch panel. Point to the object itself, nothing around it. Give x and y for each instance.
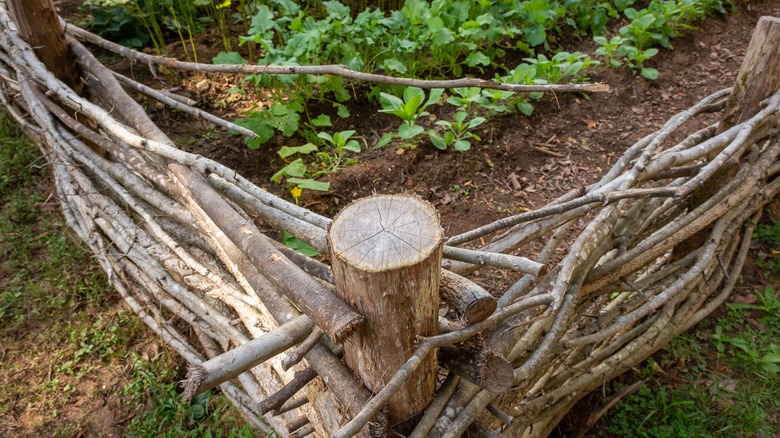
(624, 264)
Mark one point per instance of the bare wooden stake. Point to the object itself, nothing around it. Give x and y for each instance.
(385, 254)
(39, 25)
(759, 76)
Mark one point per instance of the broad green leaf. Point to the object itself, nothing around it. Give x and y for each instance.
(390, 103)
(297, 244)
(352, 146)
(410, 108)
(771, 358)
(283, 119)
(326, 136)
(409, 131)
(260, 127)
(342, 111)
(354, 61)
(262, 21)
(287, 7)
(771, 367)
(322, 120)
(477, 58)
(228, 58)
(308, 183)
(295, 169)
(573, 69)
(393, 65)
(536, 35)
(413, 92)
(384, 140)
(525, 108)
(287, 151)
(650, 73)
(434, 96)
(462, 145)
(336, 9)
(476, 121)
(437, 140)
(345, 135)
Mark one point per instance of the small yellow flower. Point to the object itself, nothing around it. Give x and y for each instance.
(296, 193)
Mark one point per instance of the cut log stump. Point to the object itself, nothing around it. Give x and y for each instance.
(386, 256)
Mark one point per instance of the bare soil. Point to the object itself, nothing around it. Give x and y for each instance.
(522, 163)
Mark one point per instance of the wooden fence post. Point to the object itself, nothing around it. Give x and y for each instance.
(759, 75)
(39, 25)
(386, 258)
(758, 79)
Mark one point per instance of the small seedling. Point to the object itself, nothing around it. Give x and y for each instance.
(458, 132)
(409, 109)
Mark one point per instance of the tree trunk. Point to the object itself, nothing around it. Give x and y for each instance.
(759, 76)
(386, 252)
(39, 25)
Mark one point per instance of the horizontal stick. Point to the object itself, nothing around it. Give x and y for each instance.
(176, 104)
(336, 70)
(484, 258)
(230, 364)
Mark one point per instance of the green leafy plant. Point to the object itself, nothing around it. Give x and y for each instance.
(561, 65)
(339, 143)
(297, 244)
(769, 304)
(282, 117)
(409, 109)
(330, 157)
(609, 49)
(458, 133)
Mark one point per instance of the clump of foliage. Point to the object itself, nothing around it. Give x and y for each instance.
(413, 38)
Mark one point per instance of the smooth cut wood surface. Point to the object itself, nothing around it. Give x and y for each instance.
(382, 233)
(386, 257)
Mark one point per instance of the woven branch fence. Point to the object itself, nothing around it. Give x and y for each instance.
(624, 265)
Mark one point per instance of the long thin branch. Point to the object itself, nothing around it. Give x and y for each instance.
(336, 70)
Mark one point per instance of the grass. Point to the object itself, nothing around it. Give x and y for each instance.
(721, 379)
(73, 359)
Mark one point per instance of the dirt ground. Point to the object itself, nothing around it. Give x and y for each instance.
(521, 163)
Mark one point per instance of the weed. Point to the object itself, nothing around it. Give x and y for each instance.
(169, 415)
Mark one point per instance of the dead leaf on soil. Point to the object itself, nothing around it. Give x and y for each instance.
(747, 298)
(589, 122)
